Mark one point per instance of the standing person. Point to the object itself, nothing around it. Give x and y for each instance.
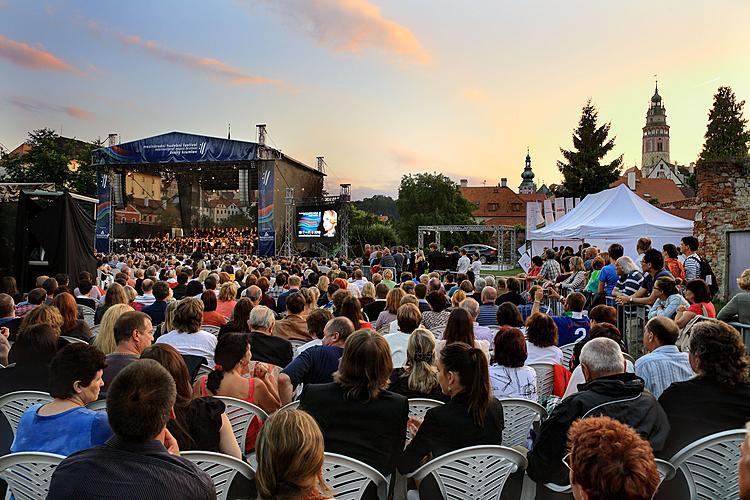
(463, 263)
(476, 268)
(472, 416)
(642, 246)
(738, 308)
(664, 364)
(692, 262)
(143, 457)
(672, 263)
(551, 269)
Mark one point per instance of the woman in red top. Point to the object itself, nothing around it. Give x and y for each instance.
(229, 378)
(671, 263)
(697, 293)
(210, 315)
(351, 308)
(536, 266)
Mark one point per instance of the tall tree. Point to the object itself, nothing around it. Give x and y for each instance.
(378, 205)
(428, 199)
(51, 158)
(582, 170)
(726, 135)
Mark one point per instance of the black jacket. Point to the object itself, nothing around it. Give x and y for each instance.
(373, 432)
(270, 349)
(372, 310)
(620, 396)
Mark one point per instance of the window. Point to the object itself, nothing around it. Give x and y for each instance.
(516, 207)
(659, 146)
(492, 207)
(123, 219)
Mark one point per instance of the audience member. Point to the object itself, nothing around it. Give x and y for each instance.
(460, 328)
(352, 309)
(238, 323)
(409, 318)
(509, 315)
(227, 299)
(630, 278)
(699, 297)
(316, 323)
(105, 339)
(738, 308)
(393, 302)
(488, 309)
(480, 332)
(115, 295)
(266, 347)
(142, 459)
(541, 343)
(653, 269)
(509, 377)
(418, 377)
(34, 351)
(71, 326)
(133, 333)
(158, 307)
(665, 363)
(374, 308)
(210, 315)
(608, 275)
(668, 299)
(293, 326)
(187, 336)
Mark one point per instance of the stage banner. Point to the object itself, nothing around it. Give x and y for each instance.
(176, 147)
(103, 211)
(266, 228)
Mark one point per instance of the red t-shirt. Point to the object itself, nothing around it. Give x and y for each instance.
(697, 309)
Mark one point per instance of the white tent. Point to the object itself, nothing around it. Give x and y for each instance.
(615, 215)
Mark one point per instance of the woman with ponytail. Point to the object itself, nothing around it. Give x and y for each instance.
(228, 378)
(471, 417)
(418, 377)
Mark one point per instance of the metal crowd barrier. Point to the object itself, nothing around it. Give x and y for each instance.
(744, 332)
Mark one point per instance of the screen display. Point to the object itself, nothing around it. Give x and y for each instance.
(317, 223)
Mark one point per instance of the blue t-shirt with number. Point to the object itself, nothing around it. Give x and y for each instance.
(570, 330)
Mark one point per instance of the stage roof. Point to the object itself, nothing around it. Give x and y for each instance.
(181, 147)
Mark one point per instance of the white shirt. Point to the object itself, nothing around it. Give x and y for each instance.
(312, 343)
(551, 354)
(578, 378)
(476, 268)
(463, 264)
(398, 342)
(479, 344)
(513, 382)
(200, 343)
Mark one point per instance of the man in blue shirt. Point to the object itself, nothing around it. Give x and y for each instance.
(316, 364)
(572, 326)
(665, 363)
(608, 275)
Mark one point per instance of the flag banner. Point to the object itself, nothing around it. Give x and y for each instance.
(549, 215)
(266, 228)
(568, 204)
(103, 211)
(559, 208)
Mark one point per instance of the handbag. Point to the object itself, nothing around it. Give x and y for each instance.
(683, 340)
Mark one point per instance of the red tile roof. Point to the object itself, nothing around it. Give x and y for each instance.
(494, 201)
(662, 190)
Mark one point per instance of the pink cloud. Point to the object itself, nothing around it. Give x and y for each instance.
(210, 66)
(36, 105)
(352, 26)
(28, 57)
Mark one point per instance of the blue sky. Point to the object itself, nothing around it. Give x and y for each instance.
(380, 88)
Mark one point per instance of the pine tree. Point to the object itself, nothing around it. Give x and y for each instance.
(582, 170)
(726, 135)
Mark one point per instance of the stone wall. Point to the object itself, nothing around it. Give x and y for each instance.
(723, 202)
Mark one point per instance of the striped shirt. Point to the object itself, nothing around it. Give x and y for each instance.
(663, 366)
(630, 283)
(692, 266)
(487, 315)
(550, 270)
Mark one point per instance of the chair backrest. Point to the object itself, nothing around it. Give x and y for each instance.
(474, 472)
(665, 469)
(545, 380)
(567, 351)
(89, 313)
(193, 363)
(73, 340)
(240, 414)
(349, 478)
(628, 357)
(297, 344)
(710, 465)
(290, 406)
(14, 404)
(98, 405)
(95, 330)
(212, 329)
(519, 415)
(28, 474)
(203, 370)
(418, 407)
(221, 468)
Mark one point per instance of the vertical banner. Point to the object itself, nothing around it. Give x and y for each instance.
(266, 228)
(568, 205)
(559, 208)
(103, 211)
(530, 218)
(549, 215)
(577, 201)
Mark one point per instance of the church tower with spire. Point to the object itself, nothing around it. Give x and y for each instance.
(528, 186)
(655, 135)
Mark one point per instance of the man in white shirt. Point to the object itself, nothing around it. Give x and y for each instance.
(463, 263)
(147, 297)
(408, 319)
(358, 279)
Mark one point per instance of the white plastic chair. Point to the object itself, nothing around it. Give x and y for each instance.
(349, 478)
(665, 469)
(628, 357)
(213, 330)
(98, 405)
(545, 380)
(519, 415)
(474, 472)
(240, 414)
(73, 340)
(14, 404)
(290, 406)
(710, 465)
(203, 370)
(297, 344)
(95, 330)
(88, 314)
(418, 407)
(221, 468)
(567, 351)
(28, 474)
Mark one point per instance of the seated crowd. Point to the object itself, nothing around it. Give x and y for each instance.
(173, 334)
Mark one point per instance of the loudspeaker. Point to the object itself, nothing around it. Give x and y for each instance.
(118, 189)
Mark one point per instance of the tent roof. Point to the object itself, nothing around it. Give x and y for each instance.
(614, 213)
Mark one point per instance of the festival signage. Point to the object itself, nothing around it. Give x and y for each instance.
(103, 211)
(549, 215)
(266, 228)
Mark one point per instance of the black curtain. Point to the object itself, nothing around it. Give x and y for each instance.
(185, 192)
(63, 228)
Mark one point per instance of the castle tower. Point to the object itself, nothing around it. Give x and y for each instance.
(527, 184)
(655, 134)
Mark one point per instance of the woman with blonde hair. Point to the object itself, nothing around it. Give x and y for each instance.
(105, 339)
(368, 294)
(290, 453)
(392, 303)
(48, 315)
(203, 275)
(418, 377)
(227, 298)
(168, 324)
(577, 278)
(388, 278)
(115, 295)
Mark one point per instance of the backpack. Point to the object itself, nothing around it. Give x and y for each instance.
(706, 274)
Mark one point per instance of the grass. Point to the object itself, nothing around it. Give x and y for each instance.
(509, 272)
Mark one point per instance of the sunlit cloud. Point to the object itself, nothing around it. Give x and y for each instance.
(36, 105)
(351, 26)
(33, 58)
(215, 68)
(473, 94)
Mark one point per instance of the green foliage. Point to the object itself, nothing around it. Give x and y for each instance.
(583, 172)
(726, 134)
(365, 227)
(378, 205)
(49, 160)
(238, 221)
(429, 199)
